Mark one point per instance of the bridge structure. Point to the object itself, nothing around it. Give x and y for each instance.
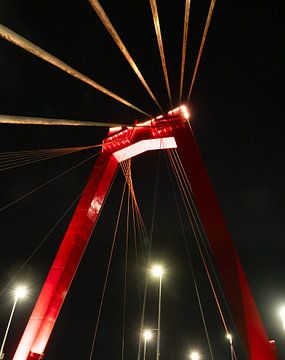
(170, 132)
(161, 133)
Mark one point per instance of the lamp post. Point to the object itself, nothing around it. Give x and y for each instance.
(20, 292)
(147, 336)
(157, 271)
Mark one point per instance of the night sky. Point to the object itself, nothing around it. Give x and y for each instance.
(237, 117)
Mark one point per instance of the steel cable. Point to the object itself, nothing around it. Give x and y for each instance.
(156, 23)
(148, 255)
(184, 44)
(184, 198)
(195, 219)
(112, 31)
(208, 21)
(42, 242)
(125, 275)
(107, 275)
(27, 159)
(27, 45)
(32, 120)
(46, 183)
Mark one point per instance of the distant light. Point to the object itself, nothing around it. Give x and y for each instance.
(230, 338)
(282, 315)
(195, 356)
(157, 271)
(20, 292)
(147, 335)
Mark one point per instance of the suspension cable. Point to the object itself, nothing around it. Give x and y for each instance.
(203, 237)
(128, 175)
(139, 236)
(127, 172)
(209, 17)
(24, 155)
(40, 244)
(107, 274)
(156, 23)
(125, 275)
(197, 233)
(112, 31)
(126, 166)
(180, 186)
(184, 45)
(28, 153)
(198, 229)
(148, 255)
(196, 218)
(27, 45)
(15, 160)
(30, 120)
(47, 182)
(136, 245)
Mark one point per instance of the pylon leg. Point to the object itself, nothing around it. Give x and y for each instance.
(55, 288)
(229, 269)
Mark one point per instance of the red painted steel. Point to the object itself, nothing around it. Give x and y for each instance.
(55, 288)
(174, 131)
(51, 298)
(229, 269)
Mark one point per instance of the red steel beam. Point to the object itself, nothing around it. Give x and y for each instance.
(229, 268)
(46, 310)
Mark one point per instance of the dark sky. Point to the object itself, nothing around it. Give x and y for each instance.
(237, 117)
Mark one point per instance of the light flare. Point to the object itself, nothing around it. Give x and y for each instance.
(157, 271)
(147, 335)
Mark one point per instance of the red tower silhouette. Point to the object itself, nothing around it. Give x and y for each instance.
(164, 132)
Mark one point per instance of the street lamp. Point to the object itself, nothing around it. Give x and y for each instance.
(282, 316)
(230, 339)
(20, 293)
(147, 336)
(195, 355)
(157, 271)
